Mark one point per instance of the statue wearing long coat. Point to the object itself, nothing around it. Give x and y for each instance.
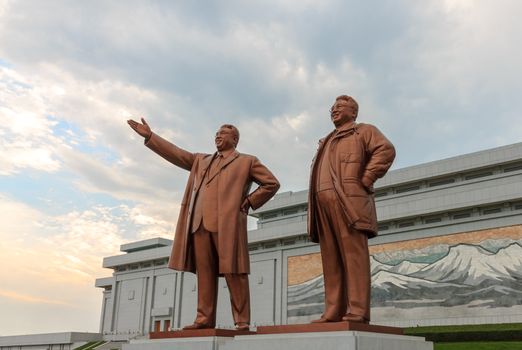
(236, 174)
(365, 155)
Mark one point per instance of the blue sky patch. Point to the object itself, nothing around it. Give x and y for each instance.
(52, 194)
(77, 138)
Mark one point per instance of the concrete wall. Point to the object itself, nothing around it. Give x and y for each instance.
(173, 297)
(157, 294)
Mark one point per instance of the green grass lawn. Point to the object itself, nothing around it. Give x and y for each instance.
(465, 328)
(503, 336)
(494, 345)
(90, 345)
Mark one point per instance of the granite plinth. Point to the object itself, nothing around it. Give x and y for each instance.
(188, 343)
(328, 327)
(334, 335)
(191, 333)
(338, 340)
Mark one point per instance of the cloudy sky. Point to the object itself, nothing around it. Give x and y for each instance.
(439, 78)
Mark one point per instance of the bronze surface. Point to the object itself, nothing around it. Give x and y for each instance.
(341, 207)
(213, 217)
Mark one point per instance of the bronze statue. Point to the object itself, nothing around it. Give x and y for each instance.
(341, 209)
(211, 234)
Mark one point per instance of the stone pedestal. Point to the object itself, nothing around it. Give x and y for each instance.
(192, 343)
(322, 336)
(328, 327)
(194, 339)
(194, 333)
(330, 335)
(339, 340)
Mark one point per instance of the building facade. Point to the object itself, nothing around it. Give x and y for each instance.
(52, 341)
(449, 251)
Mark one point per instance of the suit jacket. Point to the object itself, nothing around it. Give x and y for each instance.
(236, 174)
(359, 155)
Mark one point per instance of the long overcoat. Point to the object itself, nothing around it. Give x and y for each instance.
(236, 174)
(359, 154)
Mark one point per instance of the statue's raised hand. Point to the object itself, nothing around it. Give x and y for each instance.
(142, 129)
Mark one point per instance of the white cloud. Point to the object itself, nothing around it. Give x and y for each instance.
(27, 140)
(32, 111)
(54, 260)
(4, 7)
(40, 245)
(17, 155)
(472, 49)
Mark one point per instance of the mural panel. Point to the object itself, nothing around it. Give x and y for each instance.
(469, 274)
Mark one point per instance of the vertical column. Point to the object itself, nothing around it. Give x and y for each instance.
(143, 304)
(115, 303)
(106, 294)
(278, 288)
(178, 300)
(172, 316)
(149, 302)
(102, 317)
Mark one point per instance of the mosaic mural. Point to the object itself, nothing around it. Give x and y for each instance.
(464, 275)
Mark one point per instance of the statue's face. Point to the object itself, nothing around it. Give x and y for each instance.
(225, 139)
(342, 112)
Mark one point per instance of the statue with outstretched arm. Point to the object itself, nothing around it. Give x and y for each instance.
(211, 233)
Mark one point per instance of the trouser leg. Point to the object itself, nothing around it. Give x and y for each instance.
(331, 256)
(356, 260)
(346, 261)
(239, 296)
(207, 276)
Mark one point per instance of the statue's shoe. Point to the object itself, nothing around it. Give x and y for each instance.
(196, 325)
(323, 320)
(355, 318)
(242, 326)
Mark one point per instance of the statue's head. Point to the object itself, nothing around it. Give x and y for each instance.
(227, 137)
(344, 110)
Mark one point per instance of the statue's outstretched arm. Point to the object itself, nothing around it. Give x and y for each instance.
(164, 148)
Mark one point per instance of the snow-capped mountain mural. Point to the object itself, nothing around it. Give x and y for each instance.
(467, 273)
(406, 267)
(439, 275)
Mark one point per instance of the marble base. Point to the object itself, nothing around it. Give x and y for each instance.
(190, 343)
(328, 327)
(338, 336)
(191, 333)
(339, 340)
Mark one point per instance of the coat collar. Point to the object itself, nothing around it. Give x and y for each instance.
(224, 162)
(207, 161)
(336, 133)
(227, 153)
(205, 166)
(344, 129)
